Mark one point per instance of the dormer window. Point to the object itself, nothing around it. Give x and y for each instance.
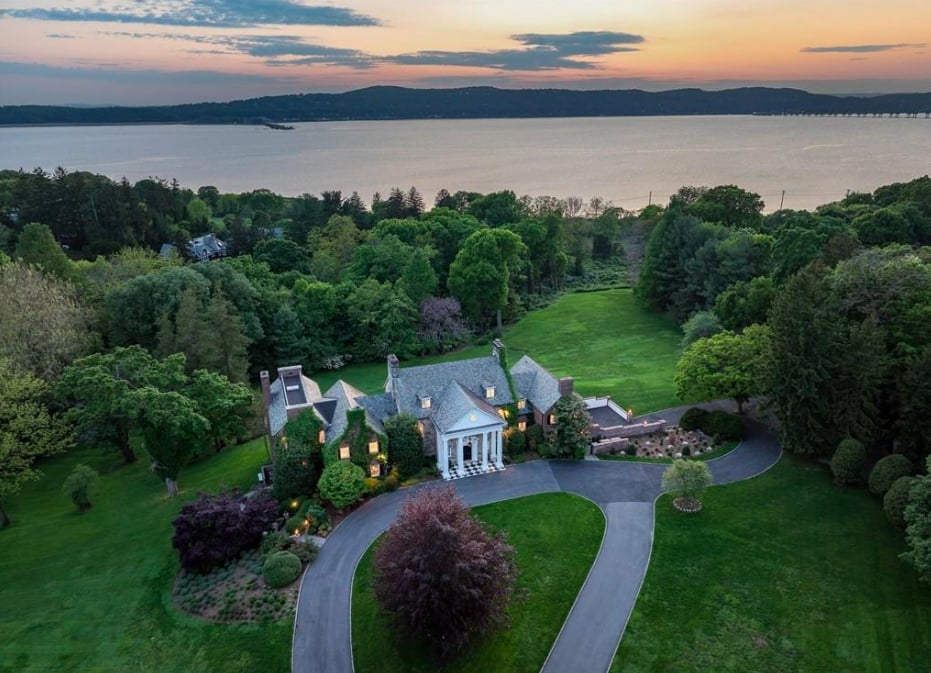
(489, 392)
(521, 403)
(425, 402)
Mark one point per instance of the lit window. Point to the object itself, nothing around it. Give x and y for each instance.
(375, 470)
(420, 427)
(522, 425)
(424, 402)
(321, 437)
(373, 446)
(503, 413)
(522, 403)
(489, 392)
(344, 452)
(552, 419)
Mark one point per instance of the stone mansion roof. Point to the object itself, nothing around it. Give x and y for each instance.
(443, 393)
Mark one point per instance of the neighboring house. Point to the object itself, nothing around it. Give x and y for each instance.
(206, 247)
(462, 407)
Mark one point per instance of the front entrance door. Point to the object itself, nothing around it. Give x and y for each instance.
(466, 453)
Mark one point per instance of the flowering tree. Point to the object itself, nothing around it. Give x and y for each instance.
(441, 576)
(688, 479)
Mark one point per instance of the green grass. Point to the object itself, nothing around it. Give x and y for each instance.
(783, 573)
(556, 536)
(721, 451)
(605, 340)
(90, 592)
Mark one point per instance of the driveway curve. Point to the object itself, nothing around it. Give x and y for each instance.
(625, 491)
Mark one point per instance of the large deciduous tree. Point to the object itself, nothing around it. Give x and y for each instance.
(724, 365)
(918, 525)
(173, 431)
(42, 325)
(405, 444)
(573, 424)
(480, 276)
(440, 575)
(27, 431)
(227, 406)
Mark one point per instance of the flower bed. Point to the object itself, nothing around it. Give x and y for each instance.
(673, 443)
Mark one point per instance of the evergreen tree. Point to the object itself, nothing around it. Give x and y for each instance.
(419, 279)
(226, 350)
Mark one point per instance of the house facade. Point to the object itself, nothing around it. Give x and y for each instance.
(463, 408)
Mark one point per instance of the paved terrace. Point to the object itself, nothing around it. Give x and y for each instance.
(625, 492)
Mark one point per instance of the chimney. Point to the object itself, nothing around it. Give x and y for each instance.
(565, 386)
(497, 352)
(266, 387)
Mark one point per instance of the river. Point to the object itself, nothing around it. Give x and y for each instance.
(626, 160)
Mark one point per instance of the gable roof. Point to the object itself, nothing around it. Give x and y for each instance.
(455, 402)
(412, 383)
(348, 398)
(535, 384)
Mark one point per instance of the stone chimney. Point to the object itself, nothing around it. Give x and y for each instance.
(565, 386)
(394, 370)
(497, 352)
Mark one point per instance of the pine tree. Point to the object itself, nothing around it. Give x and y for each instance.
(419, 279)
(225, 350)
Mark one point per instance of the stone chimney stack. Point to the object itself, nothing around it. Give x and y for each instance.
(565, 386)
(497, 352)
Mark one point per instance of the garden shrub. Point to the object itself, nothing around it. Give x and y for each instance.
(316, 516)
(693, 419)
(535, 437)
(392, 483)
(847, 462)
(295, 523)
(79, 485)
(896, 500)
(281, 569)
(342, 483)
(516, 443)
(686, 451)
(886, 471)
(631, 450)
(215, 529)
(374, 486)
(305, 550)
(723, 427)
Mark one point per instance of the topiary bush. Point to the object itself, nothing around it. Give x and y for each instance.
(896, 500)
(215, 529)
(847, 462)
(342, 483)
(693, 419)
(281, 569)
(723, 427)
(79, 485)
(886, 471)
(315, 516)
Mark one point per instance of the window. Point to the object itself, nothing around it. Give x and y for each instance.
(424, 402)
(373, 446)
(503, 413)
(321, 437)
(489, 392)
(522, 425)
(420, 428)
(344, 452)
(521, 403)
(375, 469)
(552, 419)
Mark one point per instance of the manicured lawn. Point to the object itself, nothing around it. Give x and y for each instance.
(782, 573)
(604, 340)
(556, 536)
(90, 592)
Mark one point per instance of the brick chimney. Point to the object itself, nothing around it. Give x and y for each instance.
(565, 386)
(266, 387)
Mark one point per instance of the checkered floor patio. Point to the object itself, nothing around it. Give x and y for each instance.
(473, 470)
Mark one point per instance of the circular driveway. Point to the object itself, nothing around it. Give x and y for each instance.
(625, 491)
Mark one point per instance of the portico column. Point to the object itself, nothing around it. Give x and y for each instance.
(459, 466)
(498, 461)
(486, 446)
(442, 454)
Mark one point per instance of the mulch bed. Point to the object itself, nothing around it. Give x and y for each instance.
(687, 504)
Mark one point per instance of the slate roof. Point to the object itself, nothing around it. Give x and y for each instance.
(277, 408)
(455, 402)
(348, 398)
(433, 380)
(535, 384)
(281, 399)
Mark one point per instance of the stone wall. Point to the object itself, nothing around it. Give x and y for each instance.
(613, 445)
(635, 430)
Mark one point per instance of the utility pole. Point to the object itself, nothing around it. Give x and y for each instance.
(650, 202)
(782, 199)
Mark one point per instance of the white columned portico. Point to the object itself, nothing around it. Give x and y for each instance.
(460, 468)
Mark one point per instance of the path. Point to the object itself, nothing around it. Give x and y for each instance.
(625, 491)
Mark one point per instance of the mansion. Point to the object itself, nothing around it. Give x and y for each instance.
(462, 407)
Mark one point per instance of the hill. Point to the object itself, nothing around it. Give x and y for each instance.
(388, 102)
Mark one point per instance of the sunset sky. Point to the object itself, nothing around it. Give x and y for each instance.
(172, 51)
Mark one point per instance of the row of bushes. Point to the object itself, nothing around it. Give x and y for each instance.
(890, 478)
(719, 425)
